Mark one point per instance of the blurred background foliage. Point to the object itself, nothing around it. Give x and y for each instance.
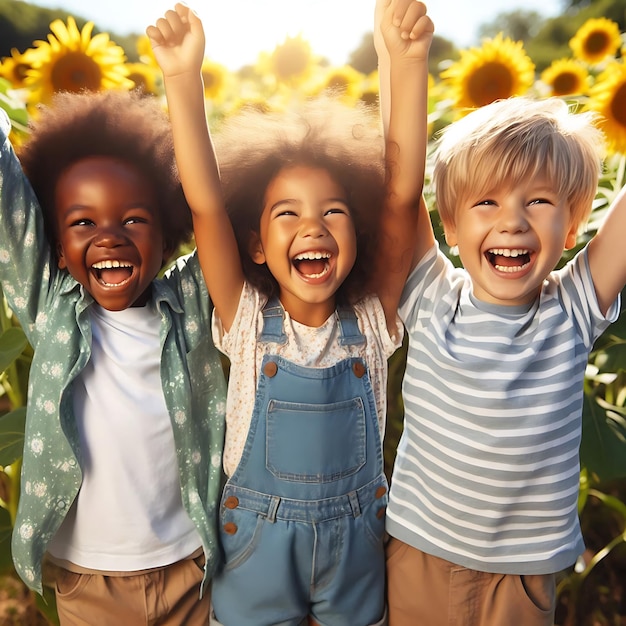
(579, 56)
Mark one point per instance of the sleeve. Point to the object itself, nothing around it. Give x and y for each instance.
(244, 326)
(185, 276)
(577, 294)
(430, 281)
(25, 255)
(374, 324)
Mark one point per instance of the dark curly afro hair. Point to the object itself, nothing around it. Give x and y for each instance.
(254, 146)
(119, 124)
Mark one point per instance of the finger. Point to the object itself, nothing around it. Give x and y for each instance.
(176, 24)
(183, 11)
(164, 28)
(155, 37)
(424, 25)
(407, 18)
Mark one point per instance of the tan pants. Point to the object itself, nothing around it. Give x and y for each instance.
(424, 590)
(166, 596)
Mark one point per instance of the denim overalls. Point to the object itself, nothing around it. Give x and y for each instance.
(302, 517)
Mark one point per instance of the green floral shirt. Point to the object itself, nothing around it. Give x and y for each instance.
(52, 309)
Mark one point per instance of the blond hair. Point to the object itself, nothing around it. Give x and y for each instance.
(511, 141)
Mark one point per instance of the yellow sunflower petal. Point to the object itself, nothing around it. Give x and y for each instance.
(500, 68)
(71, 60)
(566, 77)
(608, 97)
(345, 82)
(291, 62)
(596, 40)
(14, 68)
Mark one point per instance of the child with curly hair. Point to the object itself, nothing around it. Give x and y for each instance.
(124, 432)
(286, 240)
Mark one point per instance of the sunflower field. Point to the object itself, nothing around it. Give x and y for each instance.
(591, 77)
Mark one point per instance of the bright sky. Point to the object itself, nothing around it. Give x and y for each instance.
(236, 30)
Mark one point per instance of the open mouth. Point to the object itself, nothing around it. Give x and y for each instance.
(112, 273)
(508, 260)
(312, 264)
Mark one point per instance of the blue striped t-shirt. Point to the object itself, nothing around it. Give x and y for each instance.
(487, 469)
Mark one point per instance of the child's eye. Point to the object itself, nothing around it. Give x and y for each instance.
(539, 201)
(82, 222)
(135, 220)
(485, 202)
(337, 210)
(286, 212)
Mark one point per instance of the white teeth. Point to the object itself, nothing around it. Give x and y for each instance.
(324, 271)
(512, 252)
(312, 256)
(107, 265)
(510, 269)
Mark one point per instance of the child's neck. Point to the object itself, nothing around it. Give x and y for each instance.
(313, 314)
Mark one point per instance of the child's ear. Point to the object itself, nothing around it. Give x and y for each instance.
(449, 230)
(255, 248)
(60, 257)
(571, 238)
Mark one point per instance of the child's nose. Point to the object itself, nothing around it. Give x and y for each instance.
(512, 219)
(109, 237)
(313, 227)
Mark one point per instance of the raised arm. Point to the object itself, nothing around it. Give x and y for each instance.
(607, 254)
(403, 33)
(178, 43)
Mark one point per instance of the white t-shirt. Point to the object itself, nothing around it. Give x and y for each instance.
(305, 345)
(129, 514)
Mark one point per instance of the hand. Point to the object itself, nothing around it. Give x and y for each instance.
(403, 28)
(178, 41)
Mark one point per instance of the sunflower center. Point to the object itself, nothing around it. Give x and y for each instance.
(565, 83)
(290, 60)
(618, 105)
(139, 80)
(337, 82)
(490, 82)
(597, 43)
(75, 71)
(209, 79)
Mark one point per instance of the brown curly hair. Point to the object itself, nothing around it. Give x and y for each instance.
(119, 124)
(254, 146)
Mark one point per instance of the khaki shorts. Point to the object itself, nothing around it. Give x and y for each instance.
(424, 590)
(167, 596)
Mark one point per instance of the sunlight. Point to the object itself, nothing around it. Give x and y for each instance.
(333, 28)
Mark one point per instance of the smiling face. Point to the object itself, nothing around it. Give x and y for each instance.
(109, 233)
(307, 238)
(509, 240)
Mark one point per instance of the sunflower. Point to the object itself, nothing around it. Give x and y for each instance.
(344, 81)
(595, 40)
(146, 78)
(15, 67)
(608, 97)
(214, 76)
(370, 89)
(566, 77)
(145, 52)
(499, 69)
(72, 60)
(291, 62)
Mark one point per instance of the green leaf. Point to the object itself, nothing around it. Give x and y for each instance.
(12, 436)
(12, 343)
(603, 446)
(6, 528)
(14, 107)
